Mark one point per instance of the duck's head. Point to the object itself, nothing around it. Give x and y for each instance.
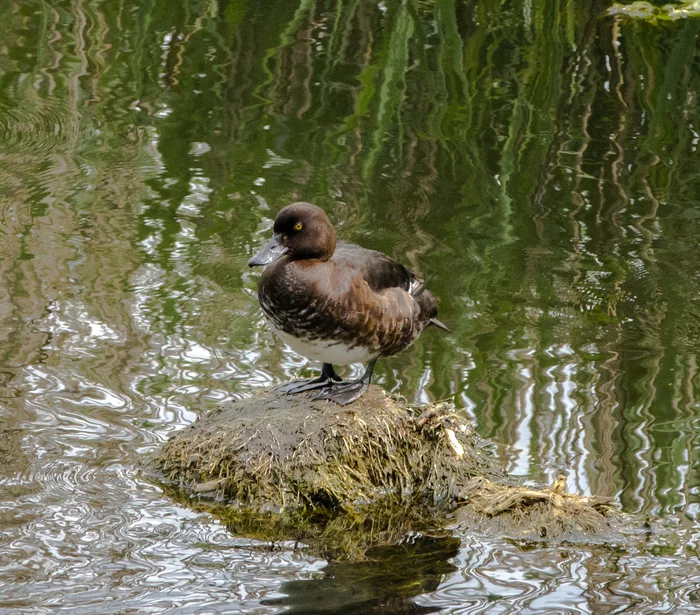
(301, 229)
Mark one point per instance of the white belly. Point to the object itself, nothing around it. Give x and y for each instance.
(333, 352)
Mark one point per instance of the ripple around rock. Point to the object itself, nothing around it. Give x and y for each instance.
(48, 129)
(285, 462)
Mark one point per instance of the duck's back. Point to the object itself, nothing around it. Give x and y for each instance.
(377, 269)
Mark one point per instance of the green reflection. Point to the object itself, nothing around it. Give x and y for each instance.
(536, 162)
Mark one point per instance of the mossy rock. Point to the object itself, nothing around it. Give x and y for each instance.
(342, 480)
(648, 12)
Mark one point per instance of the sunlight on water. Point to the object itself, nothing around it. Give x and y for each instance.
(535, 162)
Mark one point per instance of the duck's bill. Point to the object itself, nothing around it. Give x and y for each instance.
(270, 252)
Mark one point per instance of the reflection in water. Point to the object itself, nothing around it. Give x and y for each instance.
(384, 584)
(534, 161)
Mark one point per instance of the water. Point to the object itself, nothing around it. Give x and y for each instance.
(537, 163)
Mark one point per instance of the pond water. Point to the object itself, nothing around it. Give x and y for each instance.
(536, 162)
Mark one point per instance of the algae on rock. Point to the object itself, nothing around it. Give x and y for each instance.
(640, 9)
(343, 480)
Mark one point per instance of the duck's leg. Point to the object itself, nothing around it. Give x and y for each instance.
(347, 391)
(327, 377)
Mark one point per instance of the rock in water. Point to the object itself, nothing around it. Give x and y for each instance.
(344, 479)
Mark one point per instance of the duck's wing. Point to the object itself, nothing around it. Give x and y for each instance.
(378, 270)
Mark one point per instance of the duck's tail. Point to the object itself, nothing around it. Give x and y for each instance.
(439, 325)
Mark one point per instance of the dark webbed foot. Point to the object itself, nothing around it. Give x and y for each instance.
(342, 393)
(346, 392)
(327, 378)
(299, 386)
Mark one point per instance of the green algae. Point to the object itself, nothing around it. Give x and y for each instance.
(649, 12)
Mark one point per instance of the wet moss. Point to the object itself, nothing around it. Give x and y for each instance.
(649, 12)
(343, 480)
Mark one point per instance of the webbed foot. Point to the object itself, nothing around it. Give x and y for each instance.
(327, 378)
(342, 393)
(346, 392)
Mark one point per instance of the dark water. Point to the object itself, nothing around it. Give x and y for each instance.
(535, 161)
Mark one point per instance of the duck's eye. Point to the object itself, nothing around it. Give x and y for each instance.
(298, 226)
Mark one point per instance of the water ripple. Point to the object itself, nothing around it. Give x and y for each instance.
(51, 128)
(544, 182)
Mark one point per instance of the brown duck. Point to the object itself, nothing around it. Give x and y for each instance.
(335, 302)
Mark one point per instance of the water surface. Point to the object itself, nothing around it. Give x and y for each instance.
(536, 162)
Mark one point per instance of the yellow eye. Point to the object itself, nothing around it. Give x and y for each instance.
(298, 226)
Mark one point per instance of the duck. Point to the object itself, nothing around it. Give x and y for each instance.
(336, 302)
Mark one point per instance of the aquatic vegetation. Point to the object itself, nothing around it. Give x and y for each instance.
(649, 12)
(284, 467)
